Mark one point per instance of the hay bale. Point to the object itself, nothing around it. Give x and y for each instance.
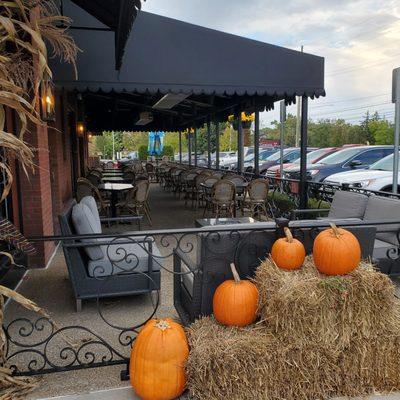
(319, 337)
(305, 304)
(253, 363)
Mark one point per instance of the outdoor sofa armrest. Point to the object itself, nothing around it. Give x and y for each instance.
(187, 306)
(294, 213)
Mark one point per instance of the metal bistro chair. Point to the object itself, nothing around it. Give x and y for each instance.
(257, 195)
(238, 181)
(223, 198)
(85, 188)
(136, 200)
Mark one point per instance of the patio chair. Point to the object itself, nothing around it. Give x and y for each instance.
(223, 198)
(256, 197)
(207, 189)
(151, 172)
(109, 164)
(94, 179)
(86, 188)
(136, 200)
(129, 175)
(104, 267)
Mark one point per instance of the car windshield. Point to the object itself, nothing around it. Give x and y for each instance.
(266, 153)
(249, 157)
(341, 156)
(276, 156)
(386, 164)
(313, 155)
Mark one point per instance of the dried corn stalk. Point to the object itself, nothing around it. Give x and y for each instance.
(25, 26)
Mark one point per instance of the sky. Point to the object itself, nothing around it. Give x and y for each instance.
(360, 40)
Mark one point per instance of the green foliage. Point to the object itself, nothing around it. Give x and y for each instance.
(143, 152)
(104, 144)
(133, 140)
(168, 151)
(336, 132)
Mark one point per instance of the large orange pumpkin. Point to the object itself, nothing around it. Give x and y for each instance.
(288, 253)
(235, 301)
(336, 251)
(158, 359)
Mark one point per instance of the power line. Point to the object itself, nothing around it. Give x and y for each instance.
(355, 68)
(351, 99)
(356, 108)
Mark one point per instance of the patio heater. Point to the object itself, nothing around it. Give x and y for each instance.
(396, 100)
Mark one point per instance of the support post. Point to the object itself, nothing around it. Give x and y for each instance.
(190, 146)
(240, 143)
(217, 145)
(209, 143)
(396, 100)
(257, 143)
(195, 147)
(180, 147)
(282, 134)
(303, 153)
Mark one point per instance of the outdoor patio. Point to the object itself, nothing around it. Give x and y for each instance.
(51, 289)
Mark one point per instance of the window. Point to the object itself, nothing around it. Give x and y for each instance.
(371, 156)
(385, 164)
(340, 156)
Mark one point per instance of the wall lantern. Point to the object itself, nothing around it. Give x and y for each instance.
(80, 128)
(48, 104)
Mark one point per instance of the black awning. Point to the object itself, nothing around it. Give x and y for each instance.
(165, 55)
(118, 15)
(218, 73)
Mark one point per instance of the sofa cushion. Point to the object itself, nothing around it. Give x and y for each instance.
(385, 209)
(86, 224)
(348, 205)
(125, 258)
(91, 203)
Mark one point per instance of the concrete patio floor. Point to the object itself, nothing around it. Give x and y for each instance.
(51, 289)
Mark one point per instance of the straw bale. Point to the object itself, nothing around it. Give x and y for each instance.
(305, 304)
(318, 337)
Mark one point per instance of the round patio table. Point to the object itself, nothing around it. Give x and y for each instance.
(115, 179)
(114, 189)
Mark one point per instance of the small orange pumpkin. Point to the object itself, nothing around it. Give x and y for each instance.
(336, 251)
(288, 253)
(157, 361)
(235, 301)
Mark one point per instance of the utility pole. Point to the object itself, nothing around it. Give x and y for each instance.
(396, 100)
(298, 117)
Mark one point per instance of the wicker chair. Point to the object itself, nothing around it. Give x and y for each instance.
(94, 179)
(151, 171)
(256, 199)
(85, 188)
(207, 186)
(223, 198)
(136, 200)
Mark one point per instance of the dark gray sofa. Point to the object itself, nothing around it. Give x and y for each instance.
(195, 281)
(102, 266)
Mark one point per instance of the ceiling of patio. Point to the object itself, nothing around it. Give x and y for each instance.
(215, 73)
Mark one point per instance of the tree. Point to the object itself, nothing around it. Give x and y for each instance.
(104, 144)
(382, 131)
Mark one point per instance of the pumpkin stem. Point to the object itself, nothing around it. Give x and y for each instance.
(335, 230)
(163, 325)
(236, 276)
(288, 234)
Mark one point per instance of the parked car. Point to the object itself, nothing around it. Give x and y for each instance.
(249, 159)
(344, 160)
(289, 155)
(312, 158)
(378, 176)
(224, 156)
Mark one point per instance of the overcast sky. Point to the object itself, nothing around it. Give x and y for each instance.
(360, 40)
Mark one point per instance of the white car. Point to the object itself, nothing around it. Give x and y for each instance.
(378, 176)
